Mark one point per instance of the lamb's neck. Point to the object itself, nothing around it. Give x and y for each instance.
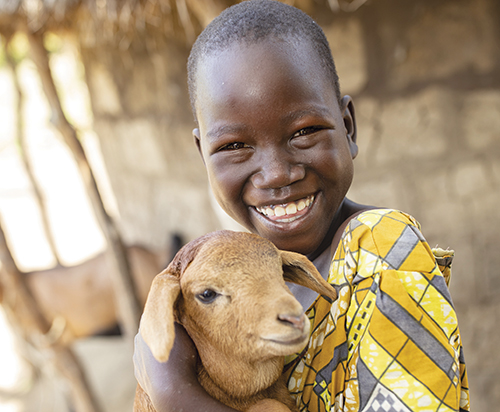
(238, 378)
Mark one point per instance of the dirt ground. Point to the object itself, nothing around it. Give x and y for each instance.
(107, 362)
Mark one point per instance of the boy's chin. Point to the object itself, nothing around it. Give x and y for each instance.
(286, 240)
(296, 236)
(292, 245)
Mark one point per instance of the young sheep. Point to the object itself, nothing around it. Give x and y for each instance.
(228, 291)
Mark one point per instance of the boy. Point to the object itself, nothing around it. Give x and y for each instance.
(278, 142)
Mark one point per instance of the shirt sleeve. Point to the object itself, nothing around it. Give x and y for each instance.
(404, 346)
(390, 342)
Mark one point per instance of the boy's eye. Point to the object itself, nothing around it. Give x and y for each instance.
(306, 130)
(233, 146)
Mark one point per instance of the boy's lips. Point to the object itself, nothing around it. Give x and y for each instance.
(287, 212)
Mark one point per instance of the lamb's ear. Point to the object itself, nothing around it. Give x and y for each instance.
(300, 270)
(157, 321)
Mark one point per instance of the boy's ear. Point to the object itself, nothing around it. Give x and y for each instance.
(197, 140)
(349, 117)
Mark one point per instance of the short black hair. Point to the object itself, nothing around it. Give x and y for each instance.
(253, 21)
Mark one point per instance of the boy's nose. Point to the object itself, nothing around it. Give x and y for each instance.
(276, 173)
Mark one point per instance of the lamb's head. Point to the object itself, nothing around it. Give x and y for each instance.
(228, 290)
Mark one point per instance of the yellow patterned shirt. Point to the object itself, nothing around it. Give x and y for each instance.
(390, 343)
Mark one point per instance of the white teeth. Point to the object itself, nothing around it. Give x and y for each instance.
(291, 209)
(268, 211)
(279, 211)
(288, 209)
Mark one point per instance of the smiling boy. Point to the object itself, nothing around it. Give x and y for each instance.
(258, 137)
(278, 142)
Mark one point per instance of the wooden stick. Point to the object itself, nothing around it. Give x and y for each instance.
(129, 308)
(25, 157)
(186, 23)
(24, 312)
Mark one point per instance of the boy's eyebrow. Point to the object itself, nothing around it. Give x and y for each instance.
(315, 111)
(225, 129)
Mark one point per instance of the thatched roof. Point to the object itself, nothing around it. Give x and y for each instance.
(109, 17)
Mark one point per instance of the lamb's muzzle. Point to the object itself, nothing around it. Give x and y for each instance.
(296, 321)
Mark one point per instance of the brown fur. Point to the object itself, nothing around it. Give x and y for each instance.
(83, 294)
(242, 335)
(142, 402)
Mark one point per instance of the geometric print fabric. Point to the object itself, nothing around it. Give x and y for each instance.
(384, 401)
(391, 340)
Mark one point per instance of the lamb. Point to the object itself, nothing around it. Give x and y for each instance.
(228, 291)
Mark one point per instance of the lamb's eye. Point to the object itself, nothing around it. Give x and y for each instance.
(207, 296)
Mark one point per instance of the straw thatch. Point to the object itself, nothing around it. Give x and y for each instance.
(110, 20)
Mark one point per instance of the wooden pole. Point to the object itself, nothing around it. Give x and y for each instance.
(129, 308)
(24, 311)
(25, 157)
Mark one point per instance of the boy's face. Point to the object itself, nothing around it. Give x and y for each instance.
(277, 147)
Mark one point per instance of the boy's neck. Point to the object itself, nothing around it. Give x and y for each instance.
(322, 257)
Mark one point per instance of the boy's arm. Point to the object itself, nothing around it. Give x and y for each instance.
(173, 385)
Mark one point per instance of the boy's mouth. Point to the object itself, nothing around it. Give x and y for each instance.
(287, 212)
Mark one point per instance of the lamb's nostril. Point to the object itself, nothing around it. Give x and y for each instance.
(295, 321)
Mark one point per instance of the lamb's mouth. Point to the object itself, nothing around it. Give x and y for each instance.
(287, 212)
(292, 342)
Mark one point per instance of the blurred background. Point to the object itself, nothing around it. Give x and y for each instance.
(100, 181)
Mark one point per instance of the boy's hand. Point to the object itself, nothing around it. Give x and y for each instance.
(160, 379)
(173, 385)
(268, 405)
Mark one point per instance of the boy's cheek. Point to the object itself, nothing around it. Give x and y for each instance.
(231, 199)
(224, 190)
(225, 177)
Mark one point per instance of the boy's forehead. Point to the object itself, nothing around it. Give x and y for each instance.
(239, 60)
(246, 51)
